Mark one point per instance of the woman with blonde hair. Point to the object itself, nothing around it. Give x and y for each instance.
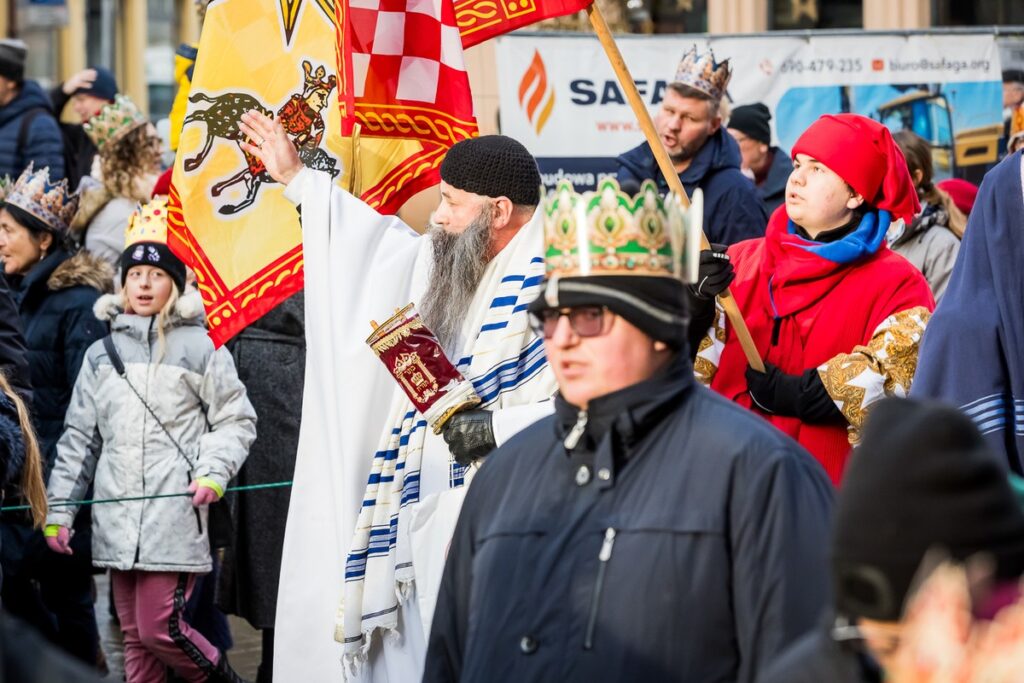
(931, 241)
(174, 418)
(126, 169)
(19, 452)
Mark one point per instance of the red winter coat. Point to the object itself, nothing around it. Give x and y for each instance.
(824, 309)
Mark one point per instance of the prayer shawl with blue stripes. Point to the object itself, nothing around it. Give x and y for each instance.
(505, 361)
(972, 355)
(361, 266)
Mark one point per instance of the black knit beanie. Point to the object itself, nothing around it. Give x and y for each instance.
(156, 254)
(655, 305)
(922, 478)
(752, 120)
(12, 59)
(493, 166)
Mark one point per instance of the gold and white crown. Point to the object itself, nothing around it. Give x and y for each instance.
(702, 72)
(608, 232)
(49, 202)
(148, 223)
(114, 121)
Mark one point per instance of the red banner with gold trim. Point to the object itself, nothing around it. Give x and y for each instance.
(480, 20)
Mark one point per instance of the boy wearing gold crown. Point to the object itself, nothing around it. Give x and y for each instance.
(689, 124)
(648, 530)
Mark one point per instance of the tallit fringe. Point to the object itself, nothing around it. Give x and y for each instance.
(354, 662)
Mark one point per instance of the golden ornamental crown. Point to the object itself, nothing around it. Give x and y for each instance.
(608, 232)
(49, 202)
(148, 223)
(114, 121)
(702, 72)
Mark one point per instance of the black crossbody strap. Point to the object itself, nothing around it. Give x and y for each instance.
(115, 360)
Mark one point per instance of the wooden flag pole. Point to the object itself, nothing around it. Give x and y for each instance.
(667, 169)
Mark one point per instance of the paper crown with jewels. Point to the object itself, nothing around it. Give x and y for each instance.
(702, 72)
(114, 121)
(48, 201)
(608, 232)
(148, 223)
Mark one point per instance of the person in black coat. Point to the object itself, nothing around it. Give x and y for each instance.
(54, 290)
(29, 133)
(270, 356)
(13, 353)
(25, 657)
(649, 530)
(87, 91)
(923, 478)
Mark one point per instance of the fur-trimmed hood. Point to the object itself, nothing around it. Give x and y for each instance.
(91, 200)
(82, 269)
(188, 308)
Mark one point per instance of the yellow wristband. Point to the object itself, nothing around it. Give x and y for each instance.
(51, 530)
(211, 484)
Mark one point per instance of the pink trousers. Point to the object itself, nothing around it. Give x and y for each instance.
(150, 606)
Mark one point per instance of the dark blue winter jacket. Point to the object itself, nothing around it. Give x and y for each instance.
(44, 143)
(733, 210)
(55, 301)
(773, 189)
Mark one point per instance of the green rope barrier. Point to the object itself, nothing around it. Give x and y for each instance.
(100, 501)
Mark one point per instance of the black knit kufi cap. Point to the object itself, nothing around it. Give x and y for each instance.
(922, 478)
(493, 166)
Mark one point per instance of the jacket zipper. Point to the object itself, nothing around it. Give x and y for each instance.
(595, 601)
(576, 433)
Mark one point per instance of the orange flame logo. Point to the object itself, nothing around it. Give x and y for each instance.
(535, 95)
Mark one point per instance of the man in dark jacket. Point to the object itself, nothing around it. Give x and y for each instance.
(87, 91)
(922, 478)
(769, 166)
(29, 133)
(649, 530)
(690, 126)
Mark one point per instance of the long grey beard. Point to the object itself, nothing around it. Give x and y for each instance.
(459, 264)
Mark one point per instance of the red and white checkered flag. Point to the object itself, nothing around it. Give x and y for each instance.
(403, 74)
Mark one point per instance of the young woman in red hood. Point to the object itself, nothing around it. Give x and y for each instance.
(835, 314)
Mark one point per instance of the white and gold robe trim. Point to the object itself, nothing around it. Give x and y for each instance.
(883, 367)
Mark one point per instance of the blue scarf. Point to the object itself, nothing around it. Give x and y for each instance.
(864, 241)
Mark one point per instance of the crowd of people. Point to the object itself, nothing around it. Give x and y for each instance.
(624, 497)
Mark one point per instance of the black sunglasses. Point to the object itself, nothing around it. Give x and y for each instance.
(585, 321)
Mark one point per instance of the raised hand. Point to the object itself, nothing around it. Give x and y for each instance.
(82, 79)
(270, 144)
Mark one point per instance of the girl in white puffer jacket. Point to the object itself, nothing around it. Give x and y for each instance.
(160, 411)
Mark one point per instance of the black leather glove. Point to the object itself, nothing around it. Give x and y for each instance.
(469, 435)
(714, 274)
(802, 396)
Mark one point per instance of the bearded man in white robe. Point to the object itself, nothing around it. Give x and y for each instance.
(376, 494)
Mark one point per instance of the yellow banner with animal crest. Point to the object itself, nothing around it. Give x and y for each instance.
(228, 219)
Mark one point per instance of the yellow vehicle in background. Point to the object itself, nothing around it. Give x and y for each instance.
(966, 153)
